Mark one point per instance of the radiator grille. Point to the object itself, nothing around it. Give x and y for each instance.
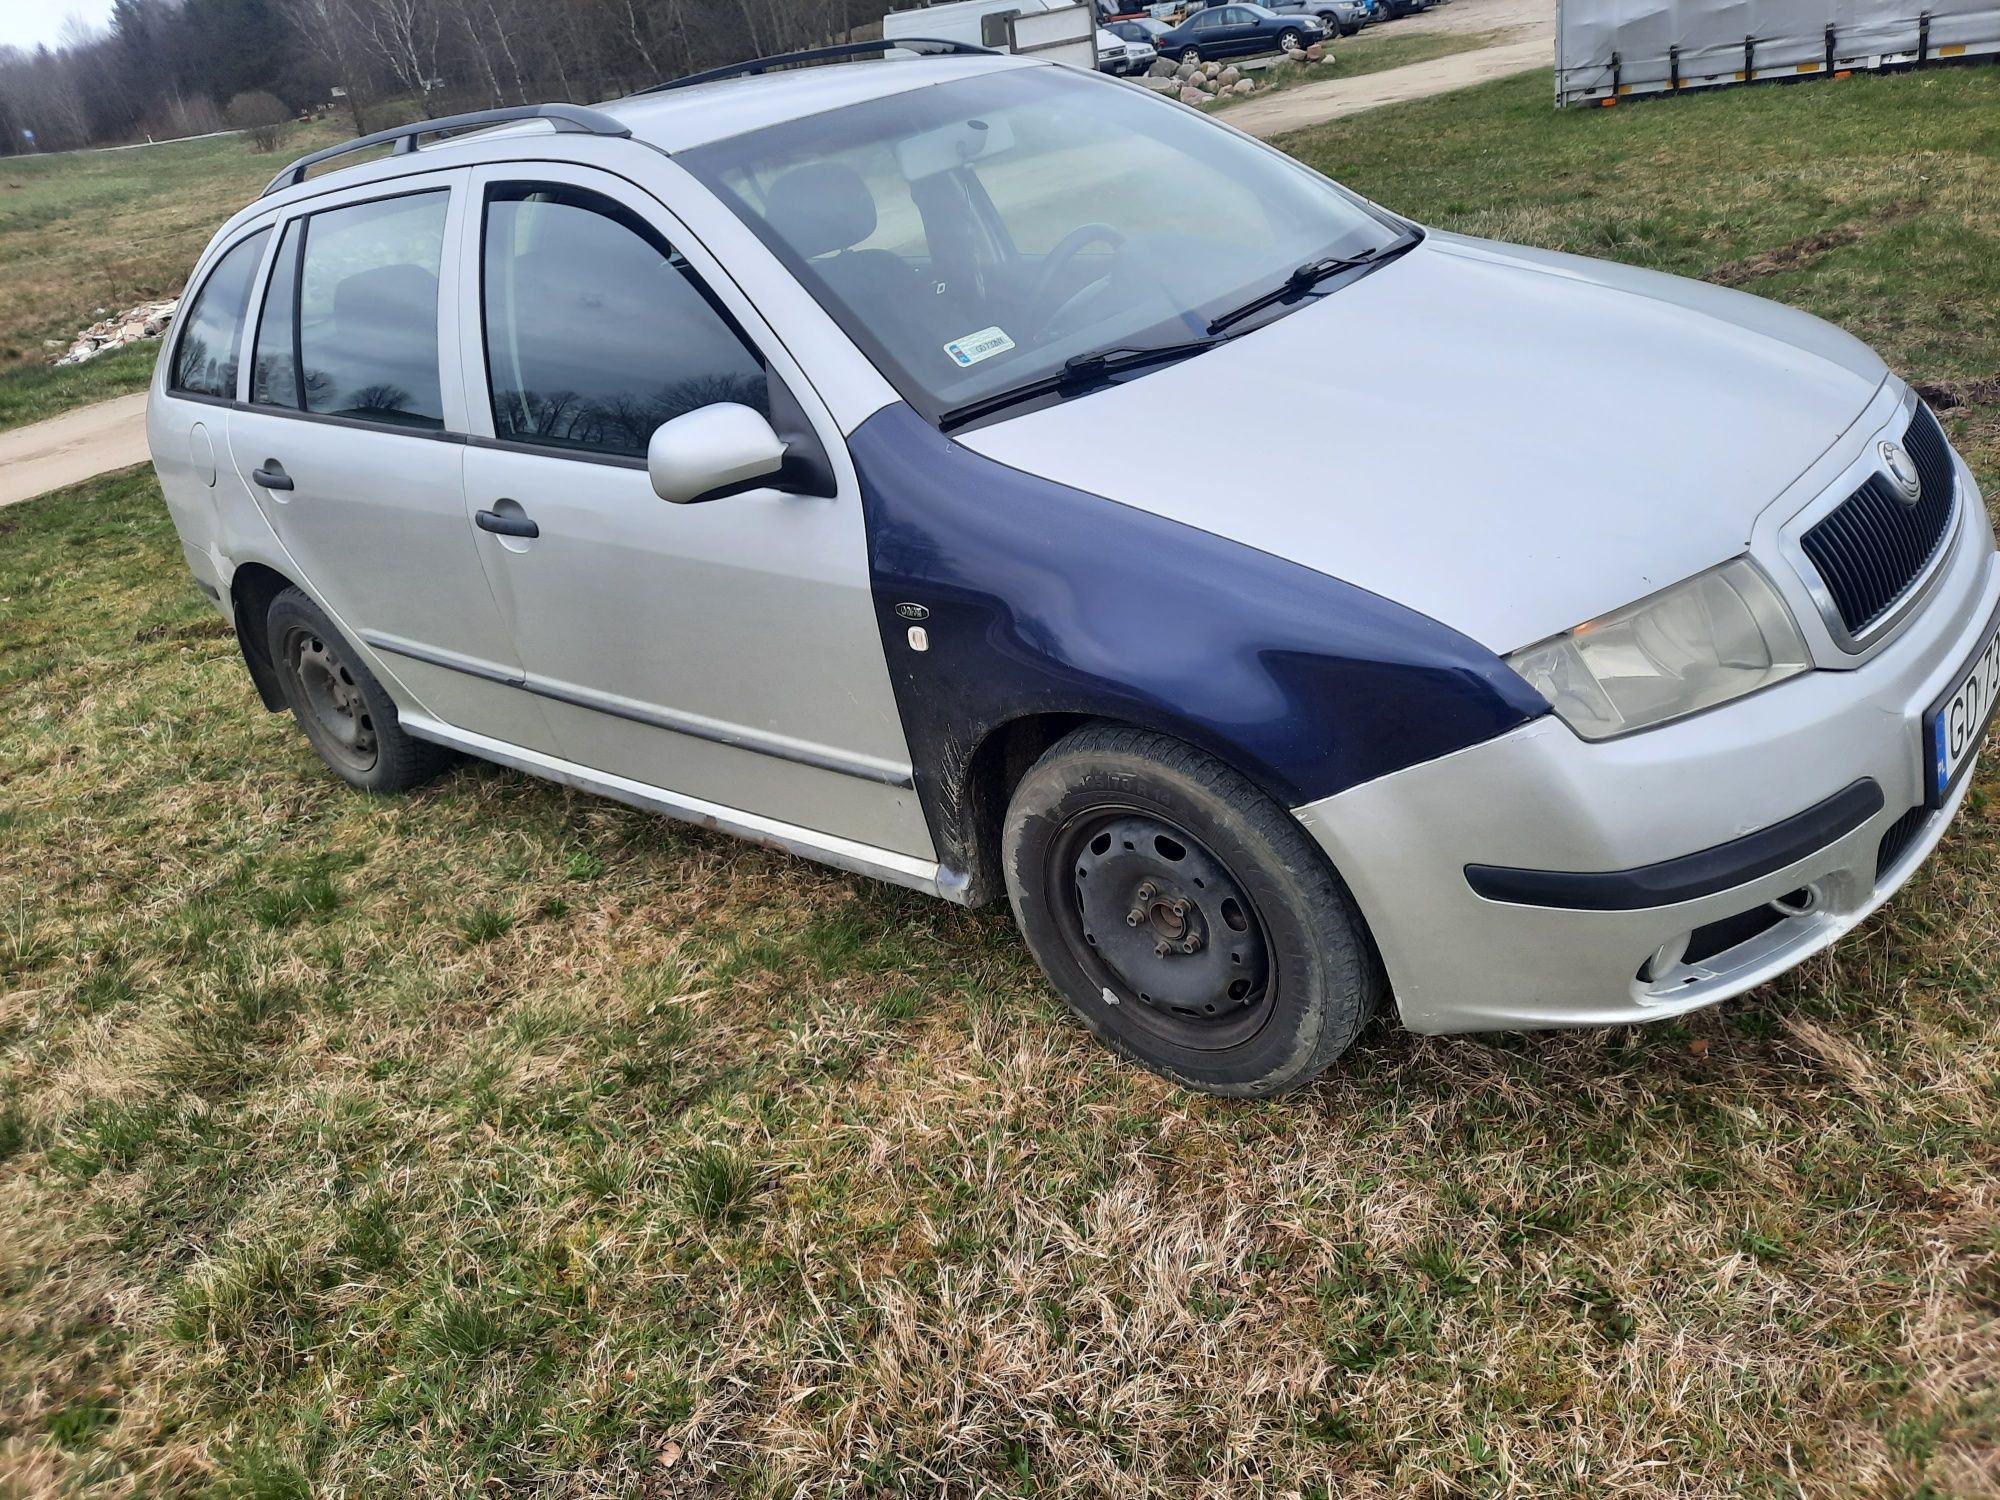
(1871, 548)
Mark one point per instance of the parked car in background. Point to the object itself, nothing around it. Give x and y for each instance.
(1121, 55)
(1343, 16)
(1236, 31)
(1139, 29)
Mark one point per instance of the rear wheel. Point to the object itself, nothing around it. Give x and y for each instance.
(1185, 916)
(347, 715)
(1192, 56)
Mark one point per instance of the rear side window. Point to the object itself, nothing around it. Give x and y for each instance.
(350, 322)
(206, 357)
(596, 330)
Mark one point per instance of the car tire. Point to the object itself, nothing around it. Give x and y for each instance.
(1191, 55)
(1290, 40)
(346, 714)
(1281, 975)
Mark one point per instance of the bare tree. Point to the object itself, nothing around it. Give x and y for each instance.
(405, 34)
(331, 32)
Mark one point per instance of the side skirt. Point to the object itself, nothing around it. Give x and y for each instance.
(844, 854)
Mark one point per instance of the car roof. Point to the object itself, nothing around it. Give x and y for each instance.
(678, 119)
(672, 119)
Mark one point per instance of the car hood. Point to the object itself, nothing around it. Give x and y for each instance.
(1510, 440)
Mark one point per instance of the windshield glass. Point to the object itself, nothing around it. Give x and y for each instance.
(974, 235)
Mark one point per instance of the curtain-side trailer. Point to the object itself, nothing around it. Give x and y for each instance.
(1609, 49)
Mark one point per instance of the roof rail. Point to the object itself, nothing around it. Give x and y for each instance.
(569, 117)
(929, 46)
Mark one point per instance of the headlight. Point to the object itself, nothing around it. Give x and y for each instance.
(1717, 636)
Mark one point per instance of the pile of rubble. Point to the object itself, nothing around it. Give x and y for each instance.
(146, 321)
(1196, 83)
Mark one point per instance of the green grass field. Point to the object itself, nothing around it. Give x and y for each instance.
(498, 1140)
(107, 229)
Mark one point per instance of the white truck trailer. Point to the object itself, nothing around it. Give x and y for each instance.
(1609, 49)
(1055, 30)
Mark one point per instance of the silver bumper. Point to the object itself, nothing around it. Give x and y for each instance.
(1541, 799)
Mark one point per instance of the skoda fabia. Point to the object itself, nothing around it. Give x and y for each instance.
(750, 450)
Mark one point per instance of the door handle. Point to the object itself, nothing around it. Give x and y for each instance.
(505, 523)
(272, 476)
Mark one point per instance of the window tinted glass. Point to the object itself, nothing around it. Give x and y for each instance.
(367, 311)
(274, 371)
(205, 360)
(596, 331)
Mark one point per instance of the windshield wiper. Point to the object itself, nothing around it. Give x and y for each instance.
(1304, 278)
(1079, 373)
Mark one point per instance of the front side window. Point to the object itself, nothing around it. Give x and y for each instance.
(206, 357)
(597, 331)
(974, 235)
(350, 321)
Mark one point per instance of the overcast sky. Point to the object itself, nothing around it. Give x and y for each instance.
(24, 23)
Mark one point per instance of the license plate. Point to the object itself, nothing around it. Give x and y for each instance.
(1956, 724)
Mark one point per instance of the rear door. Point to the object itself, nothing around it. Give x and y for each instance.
(353, 442)
(726, 651)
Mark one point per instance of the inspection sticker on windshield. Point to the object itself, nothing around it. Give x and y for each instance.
(974, 347)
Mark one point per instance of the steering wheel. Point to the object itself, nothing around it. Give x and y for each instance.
(1057, 262)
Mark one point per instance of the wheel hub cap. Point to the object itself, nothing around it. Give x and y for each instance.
(1167, 920)
(335, 699)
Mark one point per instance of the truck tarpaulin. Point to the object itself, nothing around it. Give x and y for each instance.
(1607, 49)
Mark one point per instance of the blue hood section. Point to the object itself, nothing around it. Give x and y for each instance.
(1047, 600)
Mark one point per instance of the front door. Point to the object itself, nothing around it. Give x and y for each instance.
(726, 651)
(352, 442)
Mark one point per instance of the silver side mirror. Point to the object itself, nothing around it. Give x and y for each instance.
(712, 450)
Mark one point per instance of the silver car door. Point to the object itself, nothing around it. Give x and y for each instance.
(725, 651)
(351, 437)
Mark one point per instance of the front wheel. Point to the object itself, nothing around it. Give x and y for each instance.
(1185, 916)
(1289, 41)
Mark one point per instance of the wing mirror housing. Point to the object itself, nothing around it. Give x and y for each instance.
(714, 451)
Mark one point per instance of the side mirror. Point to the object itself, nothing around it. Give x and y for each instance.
(711, 452)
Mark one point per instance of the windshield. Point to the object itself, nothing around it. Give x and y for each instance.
(975, 235)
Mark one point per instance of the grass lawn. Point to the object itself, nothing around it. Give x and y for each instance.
(501, 1140)
(106, 229)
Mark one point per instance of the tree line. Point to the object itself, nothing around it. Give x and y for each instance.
(166, 68)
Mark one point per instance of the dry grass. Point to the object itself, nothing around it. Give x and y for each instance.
(498, 1140)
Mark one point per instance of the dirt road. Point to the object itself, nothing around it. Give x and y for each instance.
(98, 439)
(1526, 40)
(71, 448)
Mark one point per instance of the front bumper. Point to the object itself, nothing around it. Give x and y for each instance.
(1655, 805)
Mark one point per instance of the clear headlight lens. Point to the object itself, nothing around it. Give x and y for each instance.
(1717, 636)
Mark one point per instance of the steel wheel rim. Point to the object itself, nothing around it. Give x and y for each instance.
(333, 699)
(1133, 943)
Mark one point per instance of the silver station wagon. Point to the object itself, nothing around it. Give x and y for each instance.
(753, 450)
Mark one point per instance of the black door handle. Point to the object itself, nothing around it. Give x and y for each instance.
(272, 476)
(510, 523)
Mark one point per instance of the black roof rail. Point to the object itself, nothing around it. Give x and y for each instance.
(929, 46)
(571, 117)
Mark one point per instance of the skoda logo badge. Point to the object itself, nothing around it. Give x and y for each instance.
(1902, 472)
(913, 611)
